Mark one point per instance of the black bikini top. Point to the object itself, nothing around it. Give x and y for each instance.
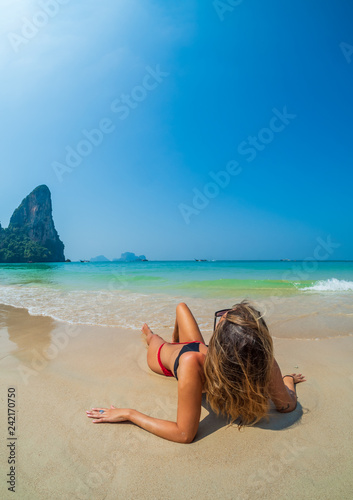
(192, 347)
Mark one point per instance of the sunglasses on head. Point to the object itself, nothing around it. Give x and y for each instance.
(219, 314)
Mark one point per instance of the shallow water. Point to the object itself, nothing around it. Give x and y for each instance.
(299, 299)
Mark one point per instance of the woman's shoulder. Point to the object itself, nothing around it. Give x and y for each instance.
(191, 366)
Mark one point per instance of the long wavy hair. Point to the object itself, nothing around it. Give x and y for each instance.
(238, 366)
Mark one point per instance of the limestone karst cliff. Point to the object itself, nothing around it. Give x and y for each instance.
(31, 235)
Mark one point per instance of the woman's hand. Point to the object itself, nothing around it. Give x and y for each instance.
(297, 377)
(111, 414)
(282, 389)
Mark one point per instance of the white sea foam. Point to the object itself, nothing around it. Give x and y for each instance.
(315, 317)
(330, 285)
(104, 308)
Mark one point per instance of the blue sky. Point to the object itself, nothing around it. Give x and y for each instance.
(180, 89)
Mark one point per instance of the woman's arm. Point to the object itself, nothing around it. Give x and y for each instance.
(189, 408)
(282, 390)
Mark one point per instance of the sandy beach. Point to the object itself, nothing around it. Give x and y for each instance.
(59, 370)
(157, 153)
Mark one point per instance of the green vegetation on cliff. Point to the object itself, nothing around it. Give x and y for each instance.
(31, 235)
(16, 246)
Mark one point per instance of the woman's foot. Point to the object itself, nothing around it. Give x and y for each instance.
(147, 332)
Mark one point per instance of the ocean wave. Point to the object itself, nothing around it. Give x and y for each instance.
(330, 285)
(290, 317)
(103, 308)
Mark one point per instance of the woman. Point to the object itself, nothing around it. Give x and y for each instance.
(237, 371)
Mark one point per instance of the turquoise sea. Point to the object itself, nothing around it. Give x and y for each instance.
(309, 299)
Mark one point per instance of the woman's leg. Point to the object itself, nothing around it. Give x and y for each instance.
(154, 342)
(186, 329)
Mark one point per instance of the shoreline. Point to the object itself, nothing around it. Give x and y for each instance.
(297, 301)
(60, 450)
(311, 317)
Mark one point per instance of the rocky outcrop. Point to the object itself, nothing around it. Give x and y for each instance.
(31, 235)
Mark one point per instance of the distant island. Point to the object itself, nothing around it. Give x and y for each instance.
(31, 235)
(99, 258)
(125, 257)
(130, 257)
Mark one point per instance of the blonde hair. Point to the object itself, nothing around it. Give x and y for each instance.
(238, 366)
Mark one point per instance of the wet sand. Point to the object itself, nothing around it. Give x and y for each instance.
(60, 370)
